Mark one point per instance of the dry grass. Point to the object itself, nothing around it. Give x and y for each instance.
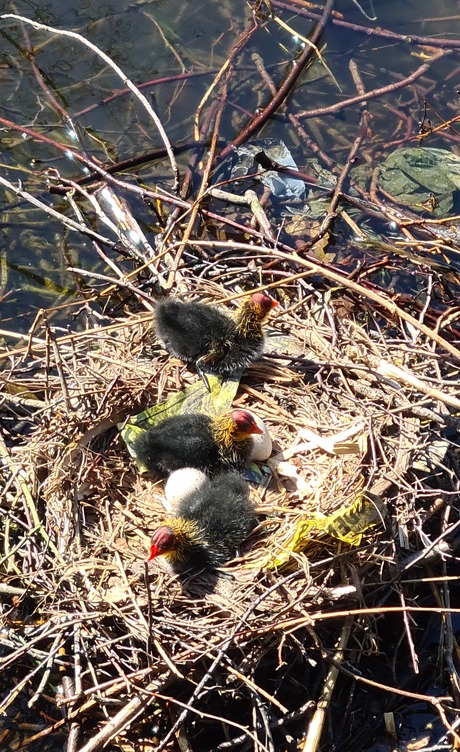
(252, 659)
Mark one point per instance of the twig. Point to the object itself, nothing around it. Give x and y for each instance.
(369, 31)
(330, 109)
(25, 492)
(315, 727)
(66, 221)
(390, 371)
(144, 101)
(315, 268)
(286, 87)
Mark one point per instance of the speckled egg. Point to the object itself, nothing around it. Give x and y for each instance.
(261, 442)
(182, 482)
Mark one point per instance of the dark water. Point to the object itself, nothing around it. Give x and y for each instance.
(151, 40)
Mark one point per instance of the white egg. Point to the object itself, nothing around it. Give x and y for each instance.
(182, 482)
(261, 442)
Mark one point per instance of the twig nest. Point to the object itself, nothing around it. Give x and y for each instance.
(182, 482)
(261, 442)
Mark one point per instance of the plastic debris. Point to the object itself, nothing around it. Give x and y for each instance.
(348, 524)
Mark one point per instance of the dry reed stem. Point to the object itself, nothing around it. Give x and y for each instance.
(93, 514)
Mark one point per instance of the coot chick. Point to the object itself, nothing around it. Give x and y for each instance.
(209, 527)
(209, 337)
(198, 440)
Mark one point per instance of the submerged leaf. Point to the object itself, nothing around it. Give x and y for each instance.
(413, 174)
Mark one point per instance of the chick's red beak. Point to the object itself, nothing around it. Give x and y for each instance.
(154, 552)
(256, 429)
(163, 541)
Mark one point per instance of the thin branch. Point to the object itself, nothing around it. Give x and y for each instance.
(138, 94)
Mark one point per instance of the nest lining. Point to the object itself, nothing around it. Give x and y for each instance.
(84, 514)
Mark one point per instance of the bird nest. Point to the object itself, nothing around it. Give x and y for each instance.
(325, 600)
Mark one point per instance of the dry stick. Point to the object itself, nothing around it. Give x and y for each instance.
(144, 101)
(376, 92)
(187, 181)
(204, 183)
(137, 705)
(69, 223)
(127, 164)
(123, 278)
(202, 714)
(220, 655)
(114, 686)
(410, 639)
(99, 170)
(44, 663)
(75, 337)
(236, 50)
(215, 112)
(286, 87)
(294, 715)
(315, 268)
(45, 632)
(74, 726)
(255, 688)
(120, 183)
(413, 559)
(260, 708)
(114, 283)
(338, 188)
(122, 719)
(309, 179)
(56, 647)
(97, 202)
(182, 210)
(316, 725)
(320, 616)
(102, 172)
(294, 624)
(145, 85)
(81, 218)
(450, 647)
(435, 701)
(369, 31)
(390, 371)
(58, 363)
(24, 490)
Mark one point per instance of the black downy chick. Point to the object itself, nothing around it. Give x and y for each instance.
(209, 527)
(198, 440)
(210, 338)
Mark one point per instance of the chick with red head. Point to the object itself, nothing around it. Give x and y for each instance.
(197, 440)
(210, 525)
(210, 338)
